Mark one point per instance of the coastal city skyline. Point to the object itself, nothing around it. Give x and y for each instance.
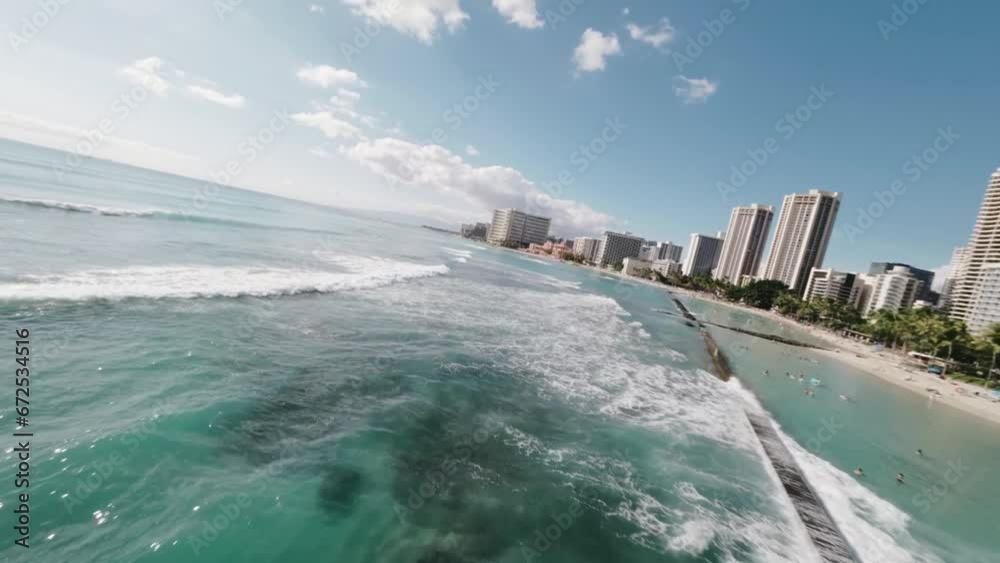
(968, 290)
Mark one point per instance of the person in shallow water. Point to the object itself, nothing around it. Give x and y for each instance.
(920, 452)
(900, 478)
(859, 472)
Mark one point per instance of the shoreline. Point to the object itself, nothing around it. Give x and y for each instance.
(885, 365)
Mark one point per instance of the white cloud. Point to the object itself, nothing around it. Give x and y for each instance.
(471, 151)
(321, 152)
(419, 18)
(151, 72)
(657, 35)
(146, 73)
(316, 9)
(521, 12)
(331, 126)
(694, 90)
(214, 96)
(475, 189)
(326, 76)
(594, 48)
(345, 98)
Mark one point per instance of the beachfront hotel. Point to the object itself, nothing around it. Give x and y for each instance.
(512, 226)
(743, 245)
(668, 251)
(586, 247)
(893, 291)
(828, 283)
(703, 255)
(616, 247)
(925, 276)
(804, 229)
(986, 306)
(983, 249)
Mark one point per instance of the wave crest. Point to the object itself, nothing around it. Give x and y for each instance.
(190, 282)
(84, 208)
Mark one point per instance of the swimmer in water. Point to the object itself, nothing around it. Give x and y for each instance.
(900, 478)
(920, 452)
(859, 472)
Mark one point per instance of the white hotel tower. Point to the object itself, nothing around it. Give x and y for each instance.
(804, 230)
(743, 245)
(983, 251)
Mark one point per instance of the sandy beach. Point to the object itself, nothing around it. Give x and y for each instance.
(887, 365)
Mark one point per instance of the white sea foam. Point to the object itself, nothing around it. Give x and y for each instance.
(160, 282)
(457, 253)
(585, 350)
(84, 208)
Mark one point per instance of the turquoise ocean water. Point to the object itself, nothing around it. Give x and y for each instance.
(222, 375)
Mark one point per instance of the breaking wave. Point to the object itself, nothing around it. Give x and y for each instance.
(188, 282)
(84, 208)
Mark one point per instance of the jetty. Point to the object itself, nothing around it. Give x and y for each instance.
(826, 536)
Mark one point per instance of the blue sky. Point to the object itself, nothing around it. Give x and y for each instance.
(374, 125)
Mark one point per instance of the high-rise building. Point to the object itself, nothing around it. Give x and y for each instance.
(985, 309)
(804, 229)
(954, 271)
(668, 251)
(831, 284)
(476, 231)
(512, 226)
(616, 247)
(926, 276)
(649, 251)
(703, 255)
(586, 247)
(744, 242)
(983, 248)
(893, 291)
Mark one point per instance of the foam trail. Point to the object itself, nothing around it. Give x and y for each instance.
(187, 282)
(84, 208)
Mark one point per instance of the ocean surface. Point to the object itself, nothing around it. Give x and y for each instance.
(223, 375)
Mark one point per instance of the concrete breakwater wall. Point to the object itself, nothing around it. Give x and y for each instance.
(826, 536)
